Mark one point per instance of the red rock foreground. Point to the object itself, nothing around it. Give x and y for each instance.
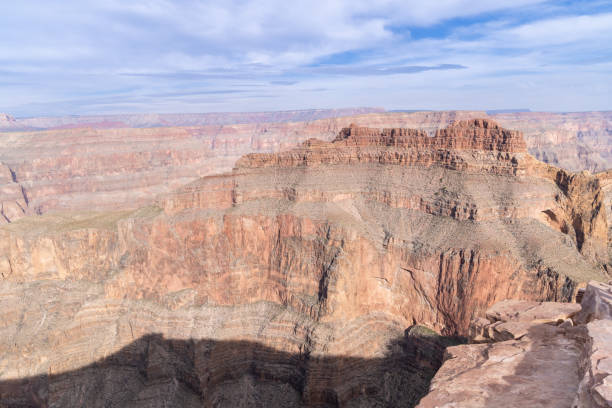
(302, 278)
(534, 355)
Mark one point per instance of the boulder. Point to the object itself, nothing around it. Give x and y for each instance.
(596, 302)
(541, 354)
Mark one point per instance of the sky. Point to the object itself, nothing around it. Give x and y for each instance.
(115, 56)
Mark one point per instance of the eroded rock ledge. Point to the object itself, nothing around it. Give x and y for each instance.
(532, 355)
(315, 265)
(486, 139)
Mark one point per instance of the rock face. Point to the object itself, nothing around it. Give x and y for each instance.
(99, 163)
(154, 371)
(298, 279)
(535, 355)
(575, 141)
(596, 303)
(98, 169)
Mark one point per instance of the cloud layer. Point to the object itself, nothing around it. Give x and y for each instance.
(101, 56)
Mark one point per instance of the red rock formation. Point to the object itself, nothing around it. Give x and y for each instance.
(575, 141)
(477, 134)
(534, 354)
(104, 169)
(331, 250)
(410, 147)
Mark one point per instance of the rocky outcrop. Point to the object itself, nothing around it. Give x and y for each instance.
(534, 354)
(100, 163)
(582, 213)
(575, 141)
(595, 388)
(99, 169)
(302, 274)
(596, 303)
(476, 134)
(512, 319)
(539, 370)
(409, 147)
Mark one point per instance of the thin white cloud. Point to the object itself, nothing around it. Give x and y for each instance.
(565, 30)
(76, 50)
(265, 31)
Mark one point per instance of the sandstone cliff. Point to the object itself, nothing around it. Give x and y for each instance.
(99, 163)
(300, 274)
(106, 169)
(575, 141)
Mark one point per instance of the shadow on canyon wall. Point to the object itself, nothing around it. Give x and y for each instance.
(154, 371)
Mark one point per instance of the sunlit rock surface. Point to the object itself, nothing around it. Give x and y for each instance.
(311, 277)
(532, 355)
(124, 161)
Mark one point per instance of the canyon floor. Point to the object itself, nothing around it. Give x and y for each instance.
(220, 265)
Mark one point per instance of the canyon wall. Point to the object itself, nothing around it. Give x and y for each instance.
(106, 167)
(303, 275)
(575, 141)
(86, 169)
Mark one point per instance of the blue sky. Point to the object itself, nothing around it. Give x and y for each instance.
(117, 56)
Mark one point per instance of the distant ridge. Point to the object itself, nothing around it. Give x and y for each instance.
(148, 120)
(498, 111)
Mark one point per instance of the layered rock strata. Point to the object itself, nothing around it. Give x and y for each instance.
(534, 354)
(100, 163)
(300, 275)
(575, 141)
(98, 169)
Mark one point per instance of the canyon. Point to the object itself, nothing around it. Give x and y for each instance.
(120, 162)
(221, 265)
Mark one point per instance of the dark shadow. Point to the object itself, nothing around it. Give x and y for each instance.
(157, 372)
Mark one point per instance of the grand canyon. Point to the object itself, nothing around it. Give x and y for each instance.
(305, 204)
(325, 258)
